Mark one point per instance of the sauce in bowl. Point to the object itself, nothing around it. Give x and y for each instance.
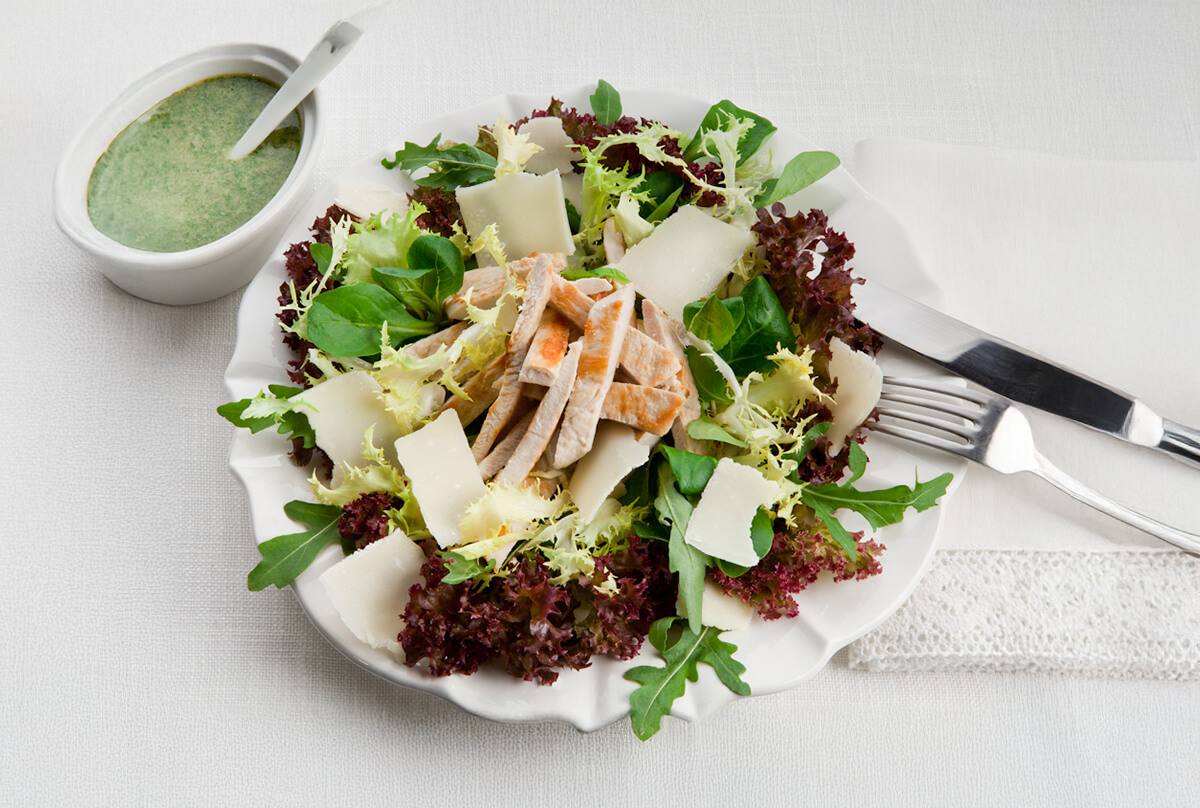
(166, 184)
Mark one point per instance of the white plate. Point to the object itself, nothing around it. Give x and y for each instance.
(778, 654)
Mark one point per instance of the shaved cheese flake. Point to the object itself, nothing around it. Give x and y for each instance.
(859, 383)
(720, 524)
(369, 588)
(445, 478)
(341, 409)
(528, 210)
(720, 610)
(616, 451)
(558, 149)
(684, 259)
(365, 198)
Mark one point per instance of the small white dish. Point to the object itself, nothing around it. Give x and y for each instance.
(221, 266)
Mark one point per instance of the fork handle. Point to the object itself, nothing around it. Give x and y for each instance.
(1089, 496)
(1181, 442)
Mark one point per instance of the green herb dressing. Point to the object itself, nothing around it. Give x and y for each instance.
(165, 184)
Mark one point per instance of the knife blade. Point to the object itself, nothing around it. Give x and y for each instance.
(1018, 374)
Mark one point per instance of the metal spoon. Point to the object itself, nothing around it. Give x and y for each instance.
(323, 58)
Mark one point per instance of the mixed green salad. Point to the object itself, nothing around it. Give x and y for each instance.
(589, 384)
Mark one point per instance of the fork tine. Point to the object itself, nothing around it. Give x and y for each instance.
(938, 388)
(925, 402)
(923, 438)
(967, 433)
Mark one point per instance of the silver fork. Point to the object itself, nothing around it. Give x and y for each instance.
(989, 430)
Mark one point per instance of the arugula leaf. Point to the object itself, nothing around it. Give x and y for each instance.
(348, 320)
(288, 422)
(285, 557)
(660, 687)
(691, 470)
(599, 272)
(764, 329)
(706, 429)
(711, 385)
(606, 103)
(800, 172)
(674, 510)
(450, 166)
(714, 320)
(880, 507)
(459, 569)
(718, 115)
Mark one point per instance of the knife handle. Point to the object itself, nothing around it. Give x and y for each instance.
(1181, 442)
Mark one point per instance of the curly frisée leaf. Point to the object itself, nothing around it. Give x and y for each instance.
(660, 687)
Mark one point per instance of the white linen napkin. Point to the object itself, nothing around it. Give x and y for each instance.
(1094, 265)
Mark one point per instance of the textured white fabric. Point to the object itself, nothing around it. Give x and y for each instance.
(135, 669)
(1088, 262)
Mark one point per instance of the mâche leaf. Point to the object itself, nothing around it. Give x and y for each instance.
(661, 686)
(719, 115)
(714, 320)
(691, 470)
(764, 329)
(285, 557)
(606, 103)
(348, 320)
(706, 429)
(710, 383)
(612, 273)
(800, 172)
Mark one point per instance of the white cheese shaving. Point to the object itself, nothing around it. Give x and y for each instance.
(558, 149)
(528, 210)
(684, 259)
(369, 588)
(859, 383)
(445, 478)
(365, 198)
(616, 451)
(340, 410)
(720, 523)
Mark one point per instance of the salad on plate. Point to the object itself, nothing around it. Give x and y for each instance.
(587, 386)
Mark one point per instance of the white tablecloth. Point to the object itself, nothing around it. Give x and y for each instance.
(135, 668)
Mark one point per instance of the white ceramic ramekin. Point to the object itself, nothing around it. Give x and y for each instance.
(222, 266)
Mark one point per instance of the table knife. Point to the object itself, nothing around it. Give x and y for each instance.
(1019, 375)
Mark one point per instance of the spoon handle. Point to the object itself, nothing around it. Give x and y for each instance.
(324, 57)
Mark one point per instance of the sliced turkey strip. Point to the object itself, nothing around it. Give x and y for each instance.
(643, 359)
(663, 329)
(484, 285)
(545, 420)
(503, 450)
(607, 324)
(547, 350)
(646, 408)
(427, 346)
(537, 292)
